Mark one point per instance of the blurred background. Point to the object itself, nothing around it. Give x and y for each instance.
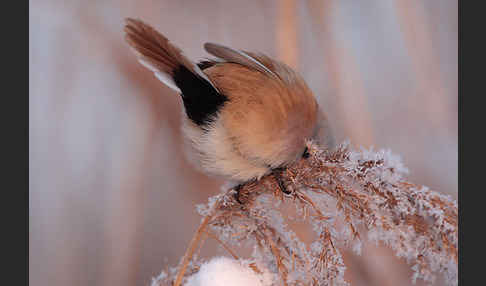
(112, 196)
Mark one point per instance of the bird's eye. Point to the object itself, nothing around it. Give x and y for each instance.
(306, 153)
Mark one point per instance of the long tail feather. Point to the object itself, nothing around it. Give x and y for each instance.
(155, 52)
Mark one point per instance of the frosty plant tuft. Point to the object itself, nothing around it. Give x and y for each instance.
(345, 196)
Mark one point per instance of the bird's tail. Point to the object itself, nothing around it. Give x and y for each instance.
(156, 53)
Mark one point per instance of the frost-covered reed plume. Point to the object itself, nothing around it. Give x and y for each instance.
(344, 195)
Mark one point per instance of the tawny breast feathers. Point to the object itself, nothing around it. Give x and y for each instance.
(268, 119)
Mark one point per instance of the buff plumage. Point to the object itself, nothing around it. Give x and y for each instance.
(245, 113)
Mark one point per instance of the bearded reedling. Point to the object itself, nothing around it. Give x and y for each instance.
(246, 115)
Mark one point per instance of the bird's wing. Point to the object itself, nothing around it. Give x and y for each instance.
(239, 57)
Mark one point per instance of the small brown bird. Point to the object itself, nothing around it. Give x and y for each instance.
(246, 114)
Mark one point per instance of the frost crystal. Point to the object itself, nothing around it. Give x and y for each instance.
(344, 196)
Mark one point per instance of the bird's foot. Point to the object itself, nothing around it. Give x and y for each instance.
(277, 173)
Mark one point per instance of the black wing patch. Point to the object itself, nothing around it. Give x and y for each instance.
(201, 100)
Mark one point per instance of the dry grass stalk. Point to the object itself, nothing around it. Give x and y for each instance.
(342, 194)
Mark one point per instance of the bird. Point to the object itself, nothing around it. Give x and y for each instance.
(246, 115)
